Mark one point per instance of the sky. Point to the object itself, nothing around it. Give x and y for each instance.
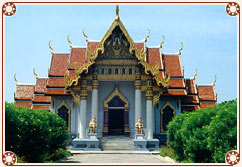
(208, 33)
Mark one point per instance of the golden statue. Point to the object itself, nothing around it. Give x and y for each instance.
(139, 125)
(93, 125)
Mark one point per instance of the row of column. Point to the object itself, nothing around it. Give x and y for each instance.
(81, 114)
(149, 103)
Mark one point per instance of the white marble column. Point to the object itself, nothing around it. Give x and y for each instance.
(149, 111)
(137, 103)
(77, 118)
(94, 109)
(83, 110)
(137, 87)
(149, 119)
(83, 117)
(95, 102)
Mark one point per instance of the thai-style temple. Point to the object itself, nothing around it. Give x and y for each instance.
(116, 79)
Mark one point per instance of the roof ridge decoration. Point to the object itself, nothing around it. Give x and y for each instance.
(15, 79)
(51, 49)
(163, 40)
(140, 55)
(194, 77)
(69, 41)
(215, 78)
(179, 52)
(36, 75)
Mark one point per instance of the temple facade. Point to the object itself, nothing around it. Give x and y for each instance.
(116, 80)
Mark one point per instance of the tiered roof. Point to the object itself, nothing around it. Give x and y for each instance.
(192, 96)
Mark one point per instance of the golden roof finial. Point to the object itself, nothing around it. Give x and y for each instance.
(51, 49)
(147, 35)
(85, 35)
(117, 13)
(181, 48)
(215, 78)
(162, 41)
(69, 41)
(15, 79)
(36, 75)
(93, 116)
(194, 77)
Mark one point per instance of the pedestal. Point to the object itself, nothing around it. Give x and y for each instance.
(153, 144)
(86, 144)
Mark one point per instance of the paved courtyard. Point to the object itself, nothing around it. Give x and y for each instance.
(116, 158)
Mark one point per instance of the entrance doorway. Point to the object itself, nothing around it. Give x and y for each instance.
(116, 122)
(116, 115)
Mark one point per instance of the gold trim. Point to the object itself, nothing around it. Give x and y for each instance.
(76, 97)
(162, 41)
(15, 79)
(117, 62)
(194, 77)
(116, 93)
(69, 114)
(86, 37)
(162, 112)
(180, 48)
(69, 41)
(140, 55)
(215, 78)
(51, 49)
(156, 98)
(36, 75)
(114, 77)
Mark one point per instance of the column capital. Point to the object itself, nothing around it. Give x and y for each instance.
(149, 90)
(83, 91)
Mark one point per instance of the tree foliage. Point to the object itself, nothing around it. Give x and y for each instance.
(205, 135)
(35, 135)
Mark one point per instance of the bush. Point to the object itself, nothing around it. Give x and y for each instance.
(222, 131)
(34, 135)
(205, 135)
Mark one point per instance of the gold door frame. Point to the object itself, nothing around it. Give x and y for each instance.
(162, 112)
(69, 114)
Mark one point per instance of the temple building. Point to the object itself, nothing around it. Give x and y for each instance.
(116, 80)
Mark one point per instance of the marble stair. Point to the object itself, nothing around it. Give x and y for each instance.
(116, 143)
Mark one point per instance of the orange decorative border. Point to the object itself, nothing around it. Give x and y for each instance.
(9, 9)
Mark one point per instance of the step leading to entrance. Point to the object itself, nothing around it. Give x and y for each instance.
(116, 143)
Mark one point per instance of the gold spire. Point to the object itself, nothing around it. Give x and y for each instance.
(117, 13)
(51, 49)
(69, 41)
(215, 78)
(147, 35)
(36, 75)
(85, 35)
(15, 79)
(162, 41)
(194, 77)
(181, 48)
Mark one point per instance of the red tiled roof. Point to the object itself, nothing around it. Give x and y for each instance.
(176, 83)
(190, 83)
(40, 85)
(206, 105)
(56, 82)
(176, 92)
(206, 93)
(139, 45)
(56, 92)
(92, 46)
(24, 92)
(77, 56)
(42, 99)
(43, 107)
(160, 75)
(172, 65)
(59, 64)
(23, 103)
(154, 57)
(190, 100)
(189, 108)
